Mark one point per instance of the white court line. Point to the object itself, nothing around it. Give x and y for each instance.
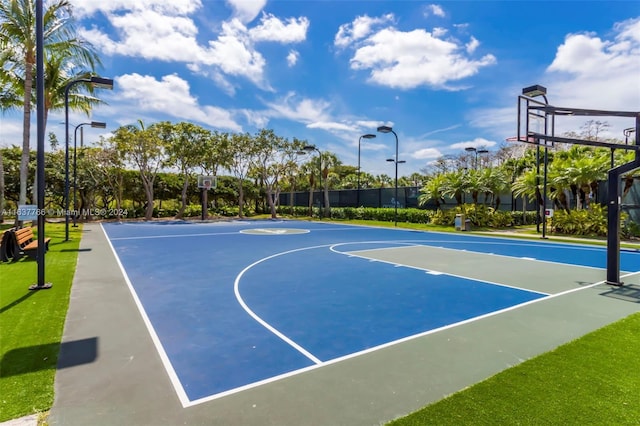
(393, 343)
(236, 290)
(173, 377)
(398, 265)
(428, 244)
(151, 237)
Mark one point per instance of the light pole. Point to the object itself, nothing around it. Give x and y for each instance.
(532, 92)
(97, 125)
(40, 160)
(477, 152)
(387, 129)
(367, 136)
(100, 82)
(309, 149)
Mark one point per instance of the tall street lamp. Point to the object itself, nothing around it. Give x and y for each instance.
(97, 125)
(387, 129)
(532, 92)
(99, 82)
(367, 136)
(39, 12)
(477, 152)
(309, 149)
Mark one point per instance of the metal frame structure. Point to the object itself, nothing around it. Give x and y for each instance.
(613, 181)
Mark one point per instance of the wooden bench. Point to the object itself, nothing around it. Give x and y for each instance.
(25, 244)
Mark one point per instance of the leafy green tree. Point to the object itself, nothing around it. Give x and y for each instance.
(145, 148)
(242, 152)
(216, 153)
(184, 142)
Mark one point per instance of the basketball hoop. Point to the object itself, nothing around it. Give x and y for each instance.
(207, 182)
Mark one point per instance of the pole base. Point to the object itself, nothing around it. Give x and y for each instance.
(44, 286)
(617, 284)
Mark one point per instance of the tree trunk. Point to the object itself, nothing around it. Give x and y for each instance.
(240, 199)
(183, 206)
(148, 190)
(272, 205)
(26, 131)
(327, 207)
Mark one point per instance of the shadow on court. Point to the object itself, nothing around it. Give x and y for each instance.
(628, 293)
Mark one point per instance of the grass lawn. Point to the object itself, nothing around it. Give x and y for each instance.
(593, 380)
(31, 324)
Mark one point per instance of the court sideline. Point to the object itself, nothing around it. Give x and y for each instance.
(125, 382)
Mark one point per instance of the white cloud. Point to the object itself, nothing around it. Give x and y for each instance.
(593, 73)
(360, 28)
(475, 143)
(233, 53)
(292, 58)
(272, 28)
(302, 110)
(407, 60)
(332, 125)
(163, 30)
(426, 154)
(89, 7)
(439, 32)
(150, 34)
(472, 45)
(436, 10)
(171, 95)
(246, 10)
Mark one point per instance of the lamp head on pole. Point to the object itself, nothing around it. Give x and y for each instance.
(535, 90)
(385, 129)
(102, 83)
(99, 124)
(483, 151)
(309, 148)
(368, 136)
(470, 149)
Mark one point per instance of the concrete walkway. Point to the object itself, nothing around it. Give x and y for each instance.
(110, 373)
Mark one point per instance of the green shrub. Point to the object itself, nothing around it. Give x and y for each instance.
(592, 221)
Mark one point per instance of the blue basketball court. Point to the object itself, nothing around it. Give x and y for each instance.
(233, 305)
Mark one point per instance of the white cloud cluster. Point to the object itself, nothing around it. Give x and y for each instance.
(271, 28)
(589, 72)
(246, 10)
(360, 28)
(475, 143)
(171, 95)
(164, 30)
(435, 9)
(409, 59)
(292, 58)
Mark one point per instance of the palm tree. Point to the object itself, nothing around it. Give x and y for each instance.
(432, 190)
(527, 185)
(18, 56)
(495, 182)
(455, 184)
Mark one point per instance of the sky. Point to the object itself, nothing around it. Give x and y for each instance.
(445, 75)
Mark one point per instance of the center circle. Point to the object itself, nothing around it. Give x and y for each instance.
(274, 231)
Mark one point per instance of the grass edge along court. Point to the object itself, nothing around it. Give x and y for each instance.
(498, 396)
(591, 380)
(31, 325)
